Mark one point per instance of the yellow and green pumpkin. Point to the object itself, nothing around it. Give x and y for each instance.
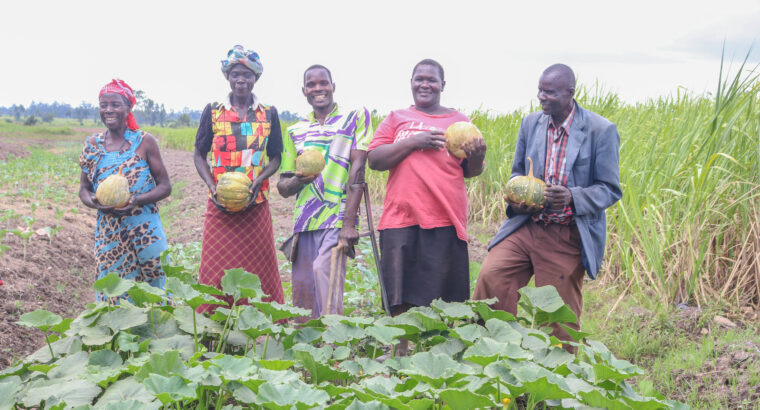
(114, 190)
(311, 162)
(526, 188)
(232, 190)
(459, 133)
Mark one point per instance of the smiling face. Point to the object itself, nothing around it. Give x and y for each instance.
(427, 85)
(114, 109)
(318, 89)
(241, 80)
(555, 93)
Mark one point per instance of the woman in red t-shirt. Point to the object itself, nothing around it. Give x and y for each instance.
(423, 234)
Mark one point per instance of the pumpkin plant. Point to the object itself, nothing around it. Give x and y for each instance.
(145, 354)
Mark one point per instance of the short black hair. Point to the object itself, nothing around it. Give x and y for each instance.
(429, 61)
(564, 72)
(317, 66)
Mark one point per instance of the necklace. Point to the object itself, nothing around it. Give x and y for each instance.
(121, 147)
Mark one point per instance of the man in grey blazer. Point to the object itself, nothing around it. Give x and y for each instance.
(575, 151)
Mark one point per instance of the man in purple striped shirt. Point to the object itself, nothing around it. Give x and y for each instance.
(576, 153)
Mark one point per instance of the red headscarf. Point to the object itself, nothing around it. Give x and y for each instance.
(120, 87)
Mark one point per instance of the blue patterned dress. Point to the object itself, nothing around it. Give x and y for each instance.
(129, 245)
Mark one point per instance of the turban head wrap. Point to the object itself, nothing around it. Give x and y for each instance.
(248, 58)
(117, 86)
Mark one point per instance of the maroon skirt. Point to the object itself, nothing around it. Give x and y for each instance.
(241, 240)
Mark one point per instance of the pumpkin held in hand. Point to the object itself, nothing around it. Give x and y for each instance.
(311, 162)
(232, 191)
(459, 133)
(114, 190)
(526, 188)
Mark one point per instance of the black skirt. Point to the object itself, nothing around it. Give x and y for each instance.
(421, 265)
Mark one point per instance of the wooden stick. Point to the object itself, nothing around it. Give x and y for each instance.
(336, 250)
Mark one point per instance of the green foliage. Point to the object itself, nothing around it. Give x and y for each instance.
(161, 354)
(16, 130)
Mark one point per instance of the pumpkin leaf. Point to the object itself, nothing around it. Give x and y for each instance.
(319, 372)
(546, 306)
(169, 389)
(133, 405)
(241, 284)
(112, 285)
(435, 369)
(465, 399)
(40, 319)
(126, 317)
(72, 392)
(384, 334)
(285, 396)
(125, 389)
(343, 333)
(452, 311)
(143, 294)
(277, 311)
(192, 296)
(9, 386)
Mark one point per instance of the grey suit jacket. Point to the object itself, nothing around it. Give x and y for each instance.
(593, 176)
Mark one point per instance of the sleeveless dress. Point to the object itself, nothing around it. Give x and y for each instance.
(129, 245)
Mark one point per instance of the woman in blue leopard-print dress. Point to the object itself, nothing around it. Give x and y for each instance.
(128, 240)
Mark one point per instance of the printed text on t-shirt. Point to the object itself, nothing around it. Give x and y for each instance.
(413, 128)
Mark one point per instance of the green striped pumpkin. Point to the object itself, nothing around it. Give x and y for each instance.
(526, 188)
(232, 190)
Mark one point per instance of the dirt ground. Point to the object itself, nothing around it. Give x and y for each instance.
(57, 275)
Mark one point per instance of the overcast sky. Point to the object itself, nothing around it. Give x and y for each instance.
(492, 51)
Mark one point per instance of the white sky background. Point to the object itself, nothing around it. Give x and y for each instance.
(492, 51)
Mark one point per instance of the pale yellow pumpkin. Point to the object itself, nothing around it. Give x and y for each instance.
(311, 162)
(114, 190)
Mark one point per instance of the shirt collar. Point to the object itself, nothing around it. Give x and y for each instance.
(567, 122)
(334, 112)
(225, 102)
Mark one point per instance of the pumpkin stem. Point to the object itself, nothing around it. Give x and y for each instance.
(121, 167)
(530, 172)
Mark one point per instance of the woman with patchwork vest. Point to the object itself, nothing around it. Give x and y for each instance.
(243, 135)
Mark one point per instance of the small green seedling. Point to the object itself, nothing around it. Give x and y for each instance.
(42, 320)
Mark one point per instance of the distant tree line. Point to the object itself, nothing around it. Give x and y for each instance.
(146, 111)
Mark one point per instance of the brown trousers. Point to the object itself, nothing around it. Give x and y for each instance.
(550, 252)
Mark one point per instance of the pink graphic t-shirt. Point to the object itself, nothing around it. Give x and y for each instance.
(427, 187)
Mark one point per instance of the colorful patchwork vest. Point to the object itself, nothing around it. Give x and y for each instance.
(241, 146)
